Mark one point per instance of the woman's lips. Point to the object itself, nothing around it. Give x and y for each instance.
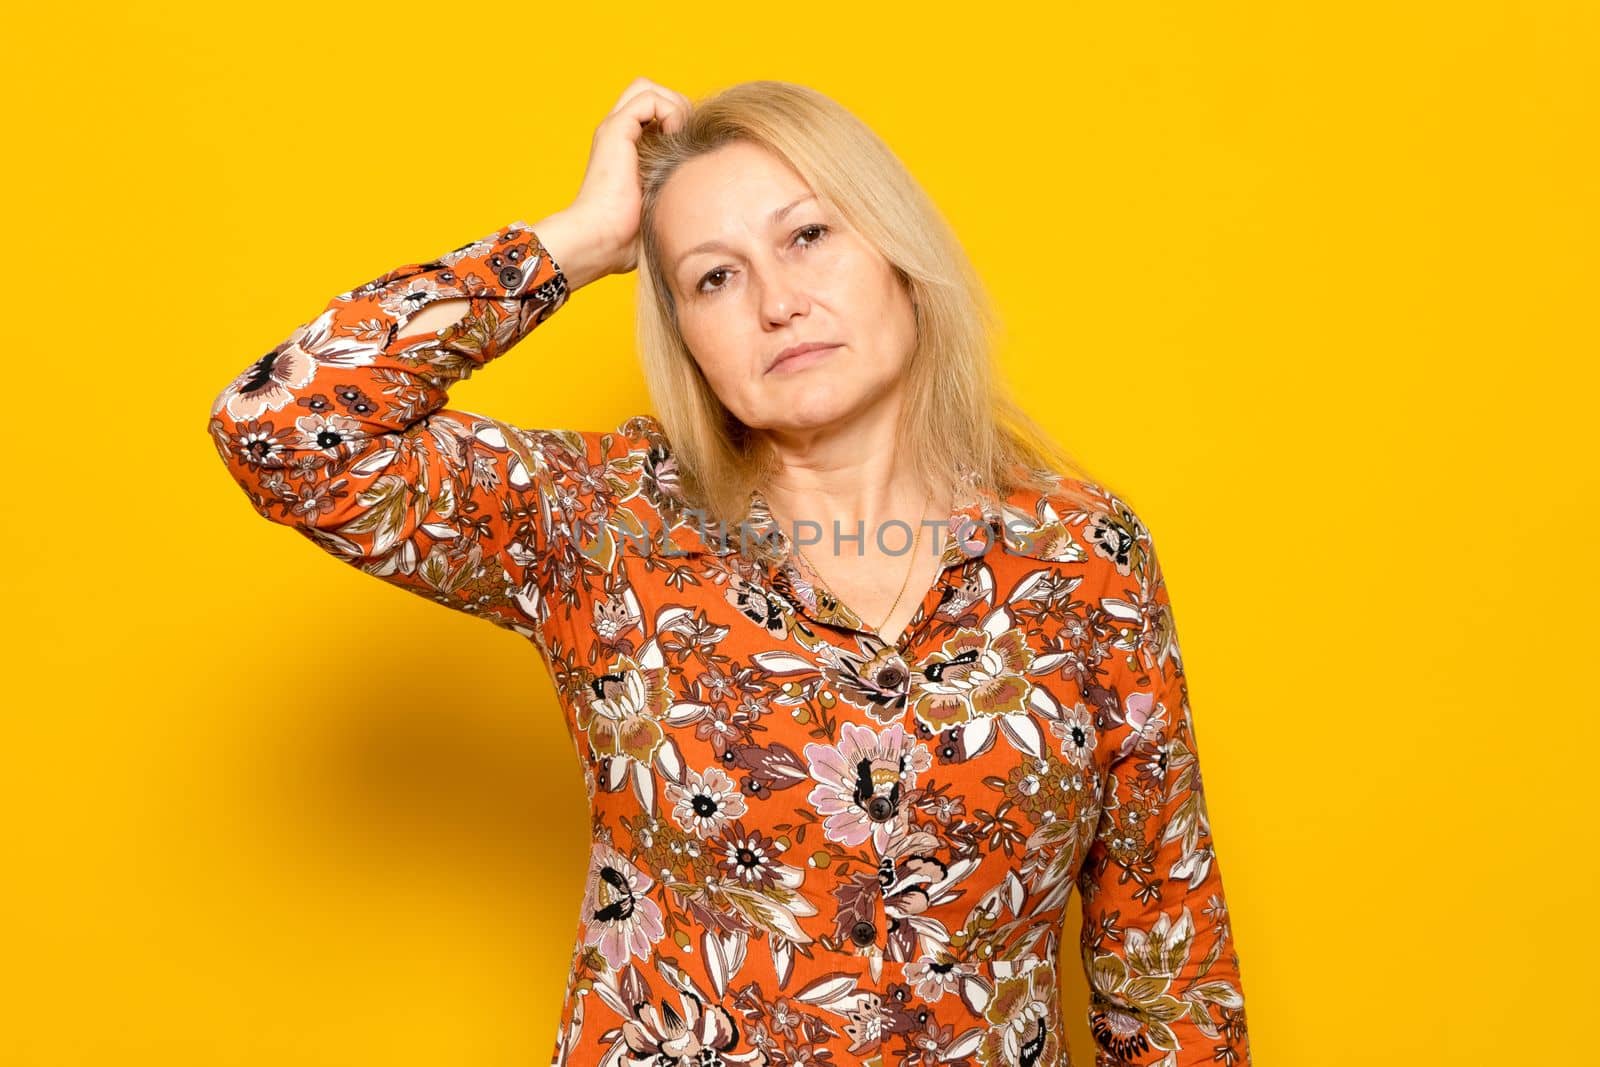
(804, 359)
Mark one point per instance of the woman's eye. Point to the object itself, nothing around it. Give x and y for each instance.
(817, 228)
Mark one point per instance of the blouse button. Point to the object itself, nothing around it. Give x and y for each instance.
(880, 807)
(863, 932)
(510, 277)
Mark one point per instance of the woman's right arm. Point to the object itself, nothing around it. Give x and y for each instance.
(341, 431)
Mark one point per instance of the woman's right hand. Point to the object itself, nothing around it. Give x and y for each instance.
(597, 234)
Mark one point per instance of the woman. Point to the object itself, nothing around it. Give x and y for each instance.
(841, 797)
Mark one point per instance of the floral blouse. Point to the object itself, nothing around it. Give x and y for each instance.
(810, 846)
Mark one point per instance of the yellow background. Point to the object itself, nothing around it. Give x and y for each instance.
(1314, 284)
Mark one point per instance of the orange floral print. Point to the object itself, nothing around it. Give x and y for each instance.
(811, 846)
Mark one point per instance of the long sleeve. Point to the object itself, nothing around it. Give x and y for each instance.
(1157, 942)
(341, 433)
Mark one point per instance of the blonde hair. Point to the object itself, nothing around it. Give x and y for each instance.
(961, 423)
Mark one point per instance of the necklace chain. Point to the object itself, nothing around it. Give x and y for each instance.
(916, 543)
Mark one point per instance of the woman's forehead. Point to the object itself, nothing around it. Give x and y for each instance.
(720, 192)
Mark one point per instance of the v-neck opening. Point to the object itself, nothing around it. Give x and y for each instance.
(931, 600)
(829, 609)
(843, 616)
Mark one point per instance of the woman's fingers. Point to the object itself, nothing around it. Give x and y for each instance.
(608, 202)
(682, 105)
(653, 105)
(644, 100)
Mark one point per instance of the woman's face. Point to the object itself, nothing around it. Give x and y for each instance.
(771, 278)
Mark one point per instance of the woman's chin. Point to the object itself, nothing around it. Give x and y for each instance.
(820, 413)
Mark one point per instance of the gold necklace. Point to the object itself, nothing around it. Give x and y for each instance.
(903, 582)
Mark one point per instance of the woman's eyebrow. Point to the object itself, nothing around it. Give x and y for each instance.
(772, 220)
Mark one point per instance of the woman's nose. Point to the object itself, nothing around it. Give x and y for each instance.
(782, 297)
